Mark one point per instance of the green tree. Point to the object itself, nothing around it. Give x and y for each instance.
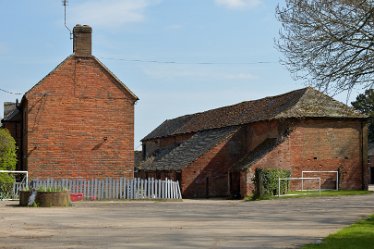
(8, 159)
(365, 104)
(328, 43)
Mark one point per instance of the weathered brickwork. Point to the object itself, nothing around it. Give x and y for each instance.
(208, 176)
(319, 145)
(256, 133)
(79, 123)
(303, 144)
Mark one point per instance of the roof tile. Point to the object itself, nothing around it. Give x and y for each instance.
(301, 103)
(190, 150)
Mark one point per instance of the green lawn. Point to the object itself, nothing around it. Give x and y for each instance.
(357, 236)
(298, 194)
(325, 193)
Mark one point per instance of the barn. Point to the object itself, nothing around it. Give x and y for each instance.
(215, 153)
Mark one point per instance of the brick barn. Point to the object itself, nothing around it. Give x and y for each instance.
(77, 122)
(215, 153)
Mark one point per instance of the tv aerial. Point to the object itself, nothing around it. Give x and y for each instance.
(65, 4)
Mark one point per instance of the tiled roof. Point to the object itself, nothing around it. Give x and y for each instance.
(190, 150)
(12, 115)
(301, 103)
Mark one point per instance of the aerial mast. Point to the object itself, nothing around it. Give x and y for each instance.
(65, 3)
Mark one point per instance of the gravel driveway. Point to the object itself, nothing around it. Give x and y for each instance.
(188, 224)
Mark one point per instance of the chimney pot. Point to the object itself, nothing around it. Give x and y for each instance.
(82, 40)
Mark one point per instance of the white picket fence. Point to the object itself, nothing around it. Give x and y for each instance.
(110, 189)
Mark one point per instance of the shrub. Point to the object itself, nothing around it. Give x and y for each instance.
(8, 156)
(266, 182)
(8, 160)
(51, 189)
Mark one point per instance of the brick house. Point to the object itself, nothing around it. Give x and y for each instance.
(215, 153)
(77, 122)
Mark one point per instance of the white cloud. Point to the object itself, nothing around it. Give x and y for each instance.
(239, 4)
(110, 13)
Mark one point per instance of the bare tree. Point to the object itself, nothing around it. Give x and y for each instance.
(329, 43)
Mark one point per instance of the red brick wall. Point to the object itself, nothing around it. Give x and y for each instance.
(309, 144)
(256, 133)
(79, 124)
(213, 167)
(208, 176)
(318, 145)
(329, 145)
(277, 158)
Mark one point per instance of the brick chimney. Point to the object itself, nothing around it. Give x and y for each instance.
(82, 40)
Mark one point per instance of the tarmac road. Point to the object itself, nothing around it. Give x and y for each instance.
(287, 223)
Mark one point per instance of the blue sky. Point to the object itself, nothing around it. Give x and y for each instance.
(233, 36)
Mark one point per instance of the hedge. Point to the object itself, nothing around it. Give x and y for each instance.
(266, 182)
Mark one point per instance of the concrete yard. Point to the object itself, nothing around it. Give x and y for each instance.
(189, 224)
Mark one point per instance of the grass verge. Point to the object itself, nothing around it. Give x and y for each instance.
(298, 194)
(357, 236)
(325, 193)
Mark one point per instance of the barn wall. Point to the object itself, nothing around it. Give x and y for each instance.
(323, 145)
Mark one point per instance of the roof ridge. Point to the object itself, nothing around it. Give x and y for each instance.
(247, 101)
(116, 78)
(42, 79)
(72, 56)
(314, 101)
(301, 103)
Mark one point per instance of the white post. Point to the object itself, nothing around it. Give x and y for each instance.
(337, 180)
(179, 191)
(302, 180)
(319, 183)
(156, 189)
